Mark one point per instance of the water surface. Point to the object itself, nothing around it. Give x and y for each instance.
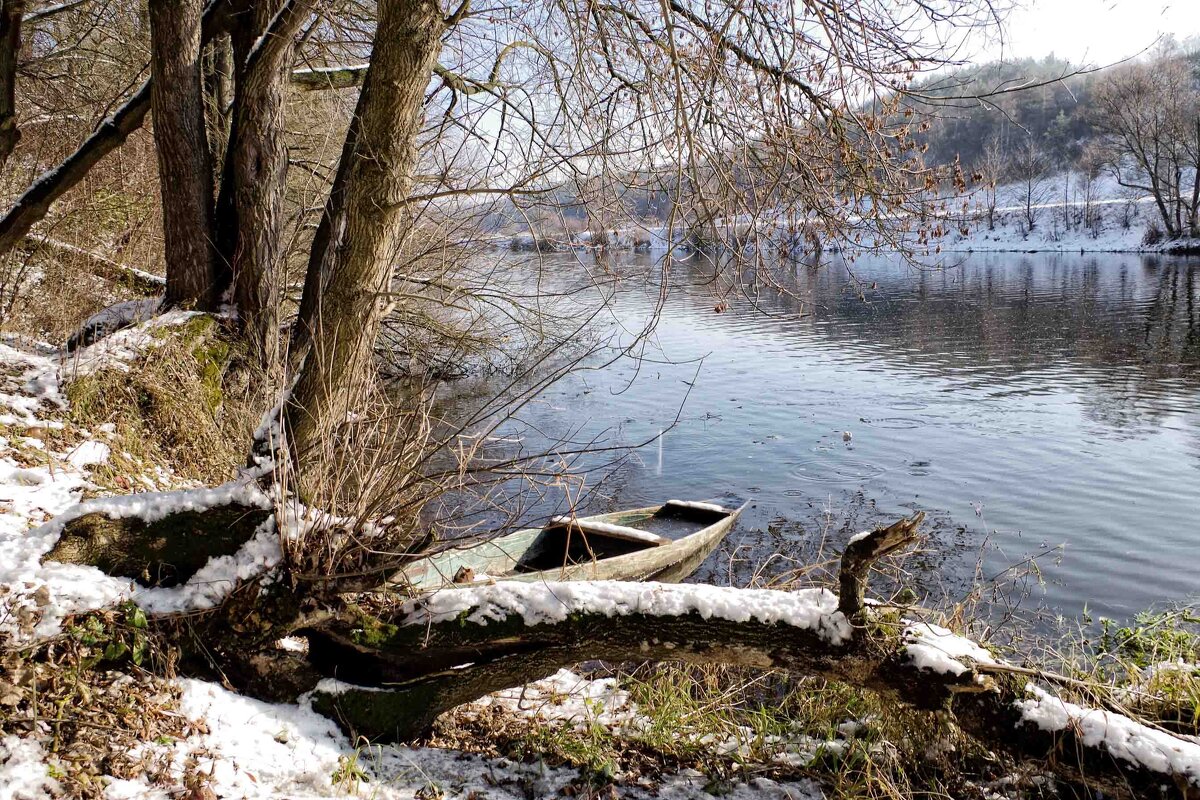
(1025, 402)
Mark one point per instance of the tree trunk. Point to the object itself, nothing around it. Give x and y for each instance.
(325, 243)
(184, 169)
(10, 47)
(1194, 207)
(347, 313)
(259, 174)
(218, 99)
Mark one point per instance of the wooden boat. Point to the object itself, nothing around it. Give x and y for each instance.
(631, 545)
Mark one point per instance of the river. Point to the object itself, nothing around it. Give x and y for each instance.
(1033, 405)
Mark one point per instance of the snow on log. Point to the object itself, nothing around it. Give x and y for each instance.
(164, 552)
(535, 603)
(116, 317)
(100, 265)
(158, 538)
(434, 653)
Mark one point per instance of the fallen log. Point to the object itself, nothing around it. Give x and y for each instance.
(100, 265)
(434, 653)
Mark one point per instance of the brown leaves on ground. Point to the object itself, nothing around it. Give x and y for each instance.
(92, 723)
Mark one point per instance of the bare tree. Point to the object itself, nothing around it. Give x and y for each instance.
(991, 169)
(1151, 114)
(1029, 168)
(1091, 164)
(177, 100)
(366, 221)
(11, 13)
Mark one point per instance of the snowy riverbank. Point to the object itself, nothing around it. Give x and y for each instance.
(185, 738)
(1060, 214)
(228, 746)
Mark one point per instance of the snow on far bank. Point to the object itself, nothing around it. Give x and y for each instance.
(808, 609)
(1066, 217)
(1102, 217)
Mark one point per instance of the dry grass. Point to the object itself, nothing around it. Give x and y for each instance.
(737, 724)
(187, 408)
(91, 718)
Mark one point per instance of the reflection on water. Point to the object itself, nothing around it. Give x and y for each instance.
(1029, 401)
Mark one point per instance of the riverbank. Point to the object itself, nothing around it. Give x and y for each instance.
(171, 738)
(1059, 214)
(661, 731)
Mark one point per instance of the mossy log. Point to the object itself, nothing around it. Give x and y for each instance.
(162, 553)
(984, 704)
(425, 668)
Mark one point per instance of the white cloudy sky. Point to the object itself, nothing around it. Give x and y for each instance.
(1092, 31)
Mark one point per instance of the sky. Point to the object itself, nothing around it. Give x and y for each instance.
(1090, 31)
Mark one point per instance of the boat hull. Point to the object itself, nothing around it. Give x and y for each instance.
(498, 559)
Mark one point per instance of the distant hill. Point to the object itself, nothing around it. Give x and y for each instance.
(1056, 111)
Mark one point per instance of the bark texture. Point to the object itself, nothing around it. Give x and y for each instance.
(347, 313)
(259, 168)
(177, 99)
(218, 98)
(322, 252)
(11, 12)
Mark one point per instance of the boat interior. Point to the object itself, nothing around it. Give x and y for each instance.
(568, 540)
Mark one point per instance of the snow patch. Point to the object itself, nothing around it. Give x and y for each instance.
(536, 603)
(260, 750)
(23, 770)
(88, 454)
(566, 698)
(858, 537)
(1124, 738)
(124, 346)
(213, 582)
(934, 648)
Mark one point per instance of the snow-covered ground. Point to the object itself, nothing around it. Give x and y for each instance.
(258, 750)
(1067, 215)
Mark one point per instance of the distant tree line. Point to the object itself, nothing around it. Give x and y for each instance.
(1019, 122)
